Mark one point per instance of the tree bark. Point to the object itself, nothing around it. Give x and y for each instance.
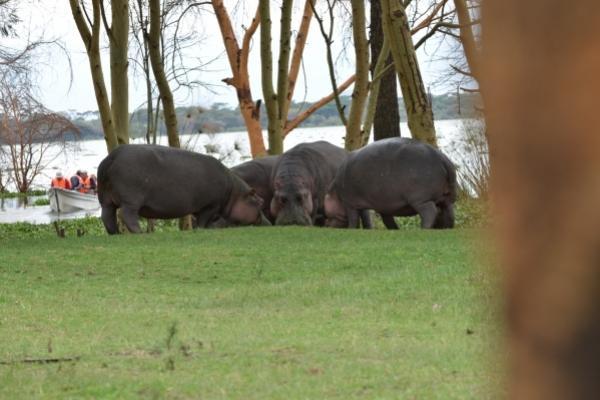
(119, 63)
(91, 41)
(387, 113)
(361, 86)
(238, 61)
(540, 79)
(157, 62)
(416, 101)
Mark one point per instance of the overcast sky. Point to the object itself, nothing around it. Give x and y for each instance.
(53, 20)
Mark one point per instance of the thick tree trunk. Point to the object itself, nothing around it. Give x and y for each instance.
(540, 79)
(119, 36)
(416, 101)
(91, 40)
(157, 62)
(238, 61)
(361, 86)
(387, 113)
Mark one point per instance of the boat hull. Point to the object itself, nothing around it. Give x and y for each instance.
(63, 200)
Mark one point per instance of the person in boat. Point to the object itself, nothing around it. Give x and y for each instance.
(93, 184)
(60, 182)
(81, 181)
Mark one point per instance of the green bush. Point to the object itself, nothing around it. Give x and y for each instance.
(43, 201)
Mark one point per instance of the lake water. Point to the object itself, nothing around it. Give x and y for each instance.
(230, 147)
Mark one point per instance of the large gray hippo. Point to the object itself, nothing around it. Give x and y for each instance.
(300, 180)
(395, 177)
(162, 182)
(257, 174)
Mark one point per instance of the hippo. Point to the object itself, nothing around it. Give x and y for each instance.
(300, 180)
(257, 174)
(394, 177)
(162, 182)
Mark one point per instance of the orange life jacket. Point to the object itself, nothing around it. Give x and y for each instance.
(84, 184)
(60, 183)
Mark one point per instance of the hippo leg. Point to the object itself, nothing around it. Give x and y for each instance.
(352, 216)
(388, 221)
(445, 218)
(109, 218)
(365, 218)
(206, 216)
(428, 213)
(131, 219)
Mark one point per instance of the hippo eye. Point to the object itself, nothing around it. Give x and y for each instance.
(282, 199)
(299, 198)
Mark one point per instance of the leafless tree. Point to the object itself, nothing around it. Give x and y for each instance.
(29, 132)
(178, 39)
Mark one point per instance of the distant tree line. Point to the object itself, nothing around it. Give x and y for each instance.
(222, 118)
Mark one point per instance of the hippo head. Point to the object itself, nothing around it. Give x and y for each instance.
(247, 210)
(292, 203)
(335, 212)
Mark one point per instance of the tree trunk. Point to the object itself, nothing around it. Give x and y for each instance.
(157, 61)
(467, 39)
(296, 60)
(238, 61)
(284, 64)
(416, 101)
(361, 86)
(118, 38)
(91, 40)
(387, 113)
(266, 58)
(540, 78)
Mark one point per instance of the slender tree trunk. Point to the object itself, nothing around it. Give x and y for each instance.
(416, 101)
(379, 71)
(118, 38)
(541, 85)
(266, 58)
(164, 89)
(91, 40)
(467, 39)
(361, 86)
(157, 61)
(296, 60)
(387, 113)
(285, 36)
(238, 61)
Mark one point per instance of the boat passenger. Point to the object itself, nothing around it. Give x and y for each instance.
(60, 182)
(81, 182)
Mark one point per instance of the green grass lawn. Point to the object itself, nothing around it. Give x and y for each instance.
(249, 313)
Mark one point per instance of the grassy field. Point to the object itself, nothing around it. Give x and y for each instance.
(252, 313)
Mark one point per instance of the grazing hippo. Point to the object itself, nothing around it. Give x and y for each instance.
(300, 180)
(163, 182)
(395, 177)
(257, 174)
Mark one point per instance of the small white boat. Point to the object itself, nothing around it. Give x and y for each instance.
(64, 200)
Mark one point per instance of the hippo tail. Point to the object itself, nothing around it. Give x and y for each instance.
(451, 179)
(103, 180)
